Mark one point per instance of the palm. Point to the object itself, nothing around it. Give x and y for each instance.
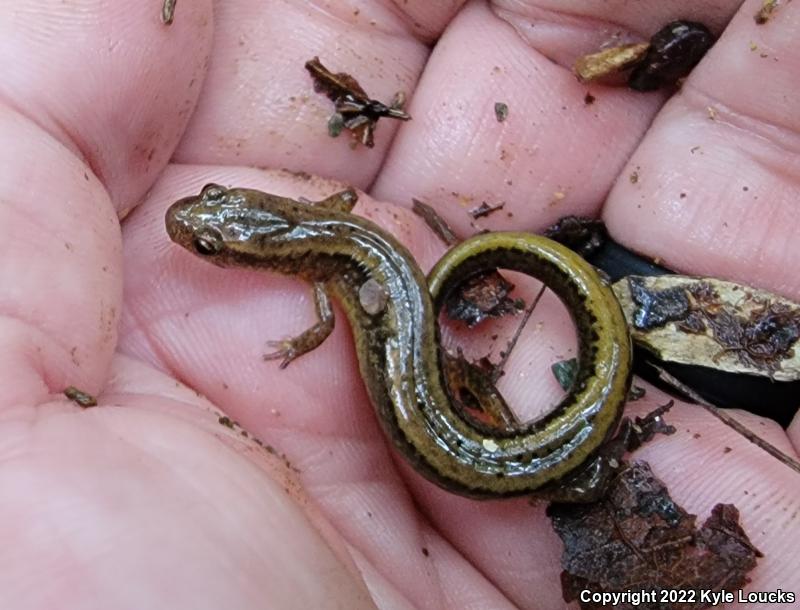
(149, 501)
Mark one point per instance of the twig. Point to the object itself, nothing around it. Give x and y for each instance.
(728, 420)
(498, 370)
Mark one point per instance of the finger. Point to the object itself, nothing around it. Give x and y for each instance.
(150, 502)
(562, 144)
(719, 171)
(706, 462)
(259, 107)
(60, 258)
(109, 82)
(79, 136)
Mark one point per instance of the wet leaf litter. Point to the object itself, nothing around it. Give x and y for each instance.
(713, 323)
(354, 110)
(639, 541)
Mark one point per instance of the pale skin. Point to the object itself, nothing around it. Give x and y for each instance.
(147, 500)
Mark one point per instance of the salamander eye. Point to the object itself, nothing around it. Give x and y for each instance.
(213, 193)
(208, 242)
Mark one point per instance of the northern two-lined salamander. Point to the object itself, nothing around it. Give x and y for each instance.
(393, 308)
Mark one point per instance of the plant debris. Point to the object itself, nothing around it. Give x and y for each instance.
(734, 424)
(499, 369)
(484, 295)
(713, 323)
(226, 421)
(565, 372)
(435, 223)
(637, 548)
(592, 481)
(768, 8)
(354, 110)
(604, 63)
(80, 398)
(636, 393)
(168, 11)
(500, 111)
(484, 209)
(579, 234)
(657, 307)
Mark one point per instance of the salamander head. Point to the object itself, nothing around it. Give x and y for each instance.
(222, 224)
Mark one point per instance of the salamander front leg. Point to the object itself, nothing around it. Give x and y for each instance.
(293, 347)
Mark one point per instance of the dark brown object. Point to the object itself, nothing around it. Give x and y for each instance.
(472, 388)
(484, 295)
(80, 397)
(580, 234)
(764, 339)
(674, 51)
(484, 209)
(355, 110)
(636, 393)
(637, 540)
(645, 428)
(669, 56)
(500, 111)
(226, 421)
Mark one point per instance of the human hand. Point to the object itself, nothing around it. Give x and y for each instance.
(148, 500)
